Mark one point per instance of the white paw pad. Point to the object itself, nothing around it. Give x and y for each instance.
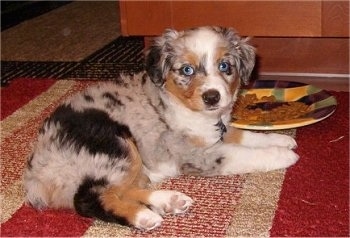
(170, 202)
(147, 220)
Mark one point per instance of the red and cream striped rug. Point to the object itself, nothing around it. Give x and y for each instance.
(308, 199)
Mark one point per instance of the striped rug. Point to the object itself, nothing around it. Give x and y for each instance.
(123, 55)
(308, 199)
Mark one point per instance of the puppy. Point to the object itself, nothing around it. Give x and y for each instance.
(98, 151)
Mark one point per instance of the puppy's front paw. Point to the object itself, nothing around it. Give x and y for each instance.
(147, 220)
(282, 140)
(170, 202)
(280, 158)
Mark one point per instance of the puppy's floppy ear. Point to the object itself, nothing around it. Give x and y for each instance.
(159, 57)
(243, 52)
(247, 60)
(153, 57)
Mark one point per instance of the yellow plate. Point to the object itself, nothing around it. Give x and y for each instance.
(322, 104)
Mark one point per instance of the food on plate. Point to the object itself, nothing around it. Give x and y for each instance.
(267, 109)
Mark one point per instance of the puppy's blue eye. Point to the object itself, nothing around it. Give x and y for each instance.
(224, 67)
(187, 70)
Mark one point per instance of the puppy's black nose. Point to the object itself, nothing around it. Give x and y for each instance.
(211, 97)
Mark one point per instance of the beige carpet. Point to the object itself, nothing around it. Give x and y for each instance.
(69, 33)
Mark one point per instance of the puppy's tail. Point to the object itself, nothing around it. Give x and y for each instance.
(88, 201)
(100, 199)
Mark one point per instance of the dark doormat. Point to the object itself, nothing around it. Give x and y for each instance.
(123, 55)
(15, 12)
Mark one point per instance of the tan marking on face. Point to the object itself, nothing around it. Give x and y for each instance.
(191, 96)
(191, 58)
(220, 53)
(235, 85)
(233, 135)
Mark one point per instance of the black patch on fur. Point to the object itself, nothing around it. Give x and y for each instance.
(88, 98)
(222, 128)
(112, 99)
(152, 65)
(230, 70)
(219, 160)
(87, 201)
(92, 129)
(42, 128)
(29, 161)
(144, 79)
(190, 169)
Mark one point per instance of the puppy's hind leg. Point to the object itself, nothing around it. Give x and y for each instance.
(134, 212)
(110, 202)
(95, 198)
(129, 205)
(163, 202)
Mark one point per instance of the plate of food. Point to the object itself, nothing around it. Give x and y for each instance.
(275, 105)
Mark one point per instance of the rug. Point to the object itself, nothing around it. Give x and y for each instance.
(122, 55)
(310, 198)
(15, 12)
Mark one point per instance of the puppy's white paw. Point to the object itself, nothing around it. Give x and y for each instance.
(279, 158)
(170, 202)
(147, 220)
(282, 140)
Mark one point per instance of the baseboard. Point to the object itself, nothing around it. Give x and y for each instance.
(294, 55)
(335, 82)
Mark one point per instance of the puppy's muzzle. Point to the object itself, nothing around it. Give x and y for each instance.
(211, 97)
